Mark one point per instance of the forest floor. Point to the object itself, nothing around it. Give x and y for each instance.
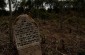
(64, 34)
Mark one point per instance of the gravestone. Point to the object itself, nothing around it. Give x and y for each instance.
(26, 36)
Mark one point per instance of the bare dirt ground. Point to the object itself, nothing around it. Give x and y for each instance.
(58, 37)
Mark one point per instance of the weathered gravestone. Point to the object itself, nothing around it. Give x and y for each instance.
(26, 36)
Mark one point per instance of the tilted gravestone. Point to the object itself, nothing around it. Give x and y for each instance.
(26, 36)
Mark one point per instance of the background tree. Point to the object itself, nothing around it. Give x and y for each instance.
(2, 8)
(38, 4)
(2, 4)
(29, 4)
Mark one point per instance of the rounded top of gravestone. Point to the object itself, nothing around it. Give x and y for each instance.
(24, 17)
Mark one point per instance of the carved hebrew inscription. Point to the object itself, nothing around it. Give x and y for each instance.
(25, 32)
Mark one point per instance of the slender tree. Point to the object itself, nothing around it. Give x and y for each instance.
(10, 28)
